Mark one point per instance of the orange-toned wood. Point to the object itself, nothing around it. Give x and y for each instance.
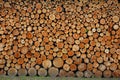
(73, 67)
(56, 64)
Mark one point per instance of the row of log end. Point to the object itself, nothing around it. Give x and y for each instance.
(55, 72)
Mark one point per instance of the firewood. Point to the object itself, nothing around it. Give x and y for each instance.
(56, 64)
(17, 66)
(113, 66)
(38, 5)
(98, 73)
(32, 71)
(60, 45)
(107, 73)
(116, 73)
(62, 73)
(1, 46)
(69, 61)
(42, 72)
(102, 67)
(52, 17)
(66, 67)
(82, 67)
(22, 72)
(46, 64)
(115, 18)
(12, 72)
(75, 48)
(58, 9)
(70, 74)
(102, 21)
(24, 50)
(88, 74)
(60, 38)
(70, 40)
(79, 74)
(53, 72)
(73, 67)
(1, 66)
(20, 61)
(116, 27)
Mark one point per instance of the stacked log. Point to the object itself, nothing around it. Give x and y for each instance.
(73, 38)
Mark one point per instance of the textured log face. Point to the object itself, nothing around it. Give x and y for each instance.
(71, 38)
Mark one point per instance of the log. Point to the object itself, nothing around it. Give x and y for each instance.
(32, 71)
(70, 74)
(24, 50)
(115, 18)
(2, 66)
(50, 57)
(47, 64)
(20, 61)
(82, 67)
(116, 73)
(100, 60)
(56, 64)
(38, 6)
(53, 72)
(64, 50)
(2, 72)
(102, 67)
(59, 54)
(69, 61)
(90, 66)
(60, 45)
(1, 46)
(66, 67)
(42, 72)
(29, 35)
(75, 48)
(107, 73)
(70, 40)
(75, 36)
(79, 74)
(15, 32)
(88, 74)
(59, 9)
(73, 67)
(22, 72)
(116, 27)
(12, 72)
(113, 66)
(102, 21)
(98, 73)
(39, 61)
(62, 73)
(17, 66)
(52, 17)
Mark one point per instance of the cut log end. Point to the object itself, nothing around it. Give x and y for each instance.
(107, 73)
(32, 72)
(53, 72)
(42, 72)
(22, 72)
(12, 72)
(58, 62)
(88, 74)
(46, 64)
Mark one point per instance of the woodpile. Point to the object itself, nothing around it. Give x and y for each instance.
(73, 38)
